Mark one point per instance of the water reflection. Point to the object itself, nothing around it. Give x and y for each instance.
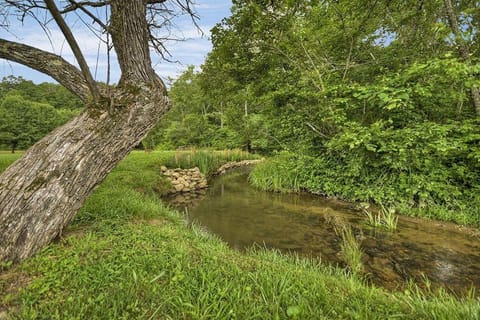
(304, 224)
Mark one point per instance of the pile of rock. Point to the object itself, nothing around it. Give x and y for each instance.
(185, 180)
(231, 165)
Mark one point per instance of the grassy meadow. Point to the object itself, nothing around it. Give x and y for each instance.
(127, 256)
(6, 158)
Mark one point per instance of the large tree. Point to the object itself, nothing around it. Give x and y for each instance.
(41, 192)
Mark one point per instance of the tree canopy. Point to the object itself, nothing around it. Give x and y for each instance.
(371, 100)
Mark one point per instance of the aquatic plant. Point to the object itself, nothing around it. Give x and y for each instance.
(385, 218)
(350, 249)
(276, 174)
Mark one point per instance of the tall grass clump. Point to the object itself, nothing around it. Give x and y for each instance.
(206, 160)
(350, 249)
(276, 174)
(385, 218)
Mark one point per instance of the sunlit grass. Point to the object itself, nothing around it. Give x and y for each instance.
(7, 158)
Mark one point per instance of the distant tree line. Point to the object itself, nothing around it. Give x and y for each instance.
(29, 111)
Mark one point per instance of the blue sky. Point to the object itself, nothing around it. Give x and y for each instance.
(191, 51)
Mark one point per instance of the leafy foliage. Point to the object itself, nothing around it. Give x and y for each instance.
(28, 111)
(362, 100)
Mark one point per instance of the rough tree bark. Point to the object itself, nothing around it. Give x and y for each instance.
(463, 49)
(42, 191)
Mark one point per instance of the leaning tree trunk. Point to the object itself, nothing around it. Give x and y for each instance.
(41, 192)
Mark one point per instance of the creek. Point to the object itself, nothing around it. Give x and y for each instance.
(430, 253)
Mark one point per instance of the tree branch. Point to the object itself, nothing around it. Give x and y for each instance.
(96, 4)
(91, 15)
(77, 5)
(75, 48)
(48, 63)
(463, 49)
(452, 19)
(155, 1)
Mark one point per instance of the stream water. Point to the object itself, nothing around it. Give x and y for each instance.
(445, 254)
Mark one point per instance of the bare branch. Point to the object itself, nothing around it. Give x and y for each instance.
(155, 1)
(88, 13)
(161, 16)
(50, 64)
(27, 8)
(75, 48)
(82, 4)
(96, 4)
(462, 48)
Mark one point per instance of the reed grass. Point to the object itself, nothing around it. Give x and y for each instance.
(206, 160)
(350, 249)
(7, 158)
(275, 175)
(385, 218)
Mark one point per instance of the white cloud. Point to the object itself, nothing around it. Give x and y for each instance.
(194, 33)
(213, 5)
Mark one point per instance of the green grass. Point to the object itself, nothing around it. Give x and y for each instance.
(7, 158)
(126, 256)
(275, 175)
